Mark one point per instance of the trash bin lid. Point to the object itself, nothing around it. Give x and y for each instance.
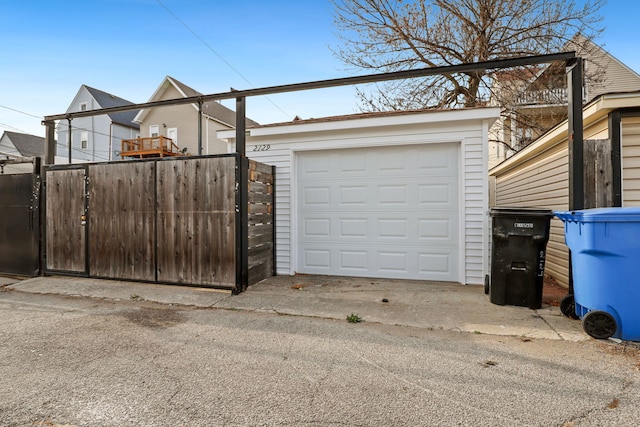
(631, 214)
(508, 211)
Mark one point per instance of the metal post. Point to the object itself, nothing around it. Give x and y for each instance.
(241, 126)
(615, 138)
(69, 138)
(576, 149)
(49, 143)
(200, 127)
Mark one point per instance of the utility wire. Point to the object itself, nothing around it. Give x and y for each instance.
(11, 127)
(21, 112)
(87, 151)
(218, 55)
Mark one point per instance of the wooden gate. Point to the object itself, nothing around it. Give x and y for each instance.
(66, 220)
(176, 220)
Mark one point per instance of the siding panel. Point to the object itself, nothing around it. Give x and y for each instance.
(542, 182)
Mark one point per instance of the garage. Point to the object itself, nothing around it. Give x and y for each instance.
(381, 195)
(387, 212)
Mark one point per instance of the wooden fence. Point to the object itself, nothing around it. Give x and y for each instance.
(598, 173)
(172, 220)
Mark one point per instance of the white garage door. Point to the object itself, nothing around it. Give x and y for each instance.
(389, 212)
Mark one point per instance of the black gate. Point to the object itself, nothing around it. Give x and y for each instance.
(20, 224)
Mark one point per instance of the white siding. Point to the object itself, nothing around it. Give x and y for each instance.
(468, 128)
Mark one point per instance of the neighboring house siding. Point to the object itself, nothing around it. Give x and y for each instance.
(631, 162)
(98, 128)
(542, 181)
(185, 119)
(118, 133)
(7, 147)
(617, 76)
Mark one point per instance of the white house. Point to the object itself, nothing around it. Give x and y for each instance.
(96, 138)
(387, 195)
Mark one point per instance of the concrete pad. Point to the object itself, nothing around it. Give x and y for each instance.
(4, 281)
(121, 290)
(421, 304)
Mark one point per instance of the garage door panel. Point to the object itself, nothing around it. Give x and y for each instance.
(353, 228)
(441, 229)
(353, 195)
(317, 227)
(317, 196)
(354, 260)
(437, 195)
(379, 212)
(436, 263)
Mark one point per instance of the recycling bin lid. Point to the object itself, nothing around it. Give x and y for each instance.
(630, 214)
(511, 211)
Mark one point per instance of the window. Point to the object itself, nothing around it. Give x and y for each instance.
(154, 130)
(83, 106)
(84, 139)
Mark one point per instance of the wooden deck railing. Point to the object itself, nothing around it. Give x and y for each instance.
(156, 146)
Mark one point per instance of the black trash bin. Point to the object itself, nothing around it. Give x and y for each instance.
(519, 242)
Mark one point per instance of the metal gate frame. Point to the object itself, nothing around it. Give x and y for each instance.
(20, 245)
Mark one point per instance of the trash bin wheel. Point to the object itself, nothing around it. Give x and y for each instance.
(568, 307)
(599, 324)
(487, 285)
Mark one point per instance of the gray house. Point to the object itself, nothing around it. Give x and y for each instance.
(21, 144)
(96, 138)
(15, 145)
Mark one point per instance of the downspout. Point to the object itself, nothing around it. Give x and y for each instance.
(110, 141)
(69, 138)
(200, 128)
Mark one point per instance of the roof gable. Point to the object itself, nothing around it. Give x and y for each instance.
(211, 109)
(107, 100)
(27, 145)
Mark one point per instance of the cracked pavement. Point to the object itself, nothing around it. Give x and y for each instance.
(207, 358)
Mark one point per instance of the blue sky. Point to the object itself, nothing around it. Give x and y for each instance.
(126, 47)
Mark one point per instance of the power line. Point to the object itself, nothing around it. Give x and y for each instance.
(218, 55)
(21, 112)
(11, 127)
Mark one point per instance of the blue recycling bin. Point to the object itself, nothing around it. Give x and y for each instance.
(605, 256)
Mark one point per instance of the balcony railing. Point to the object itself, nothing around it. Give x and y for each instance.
(556, 96)
(156, 146)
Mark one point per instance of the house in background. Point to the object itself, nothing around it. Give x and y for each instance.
(19, 145)
(538, 175)
(179, 123)
(540, 98)
(96, 138)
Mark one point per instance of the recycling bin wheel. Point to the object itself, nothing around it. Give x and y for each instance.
(487, 285)
(599, 324)
(568, 307)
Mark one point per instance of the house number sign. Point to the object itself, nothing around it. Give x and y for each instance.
(265, 147)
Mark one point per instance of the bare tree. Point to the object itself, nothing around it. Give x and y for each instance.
(393, 35)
